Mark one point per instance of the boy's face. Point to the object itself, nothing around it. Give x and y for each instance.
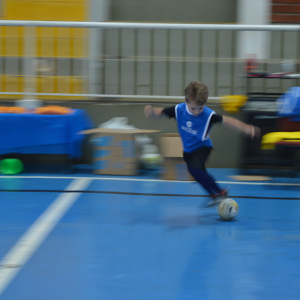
(194, 108)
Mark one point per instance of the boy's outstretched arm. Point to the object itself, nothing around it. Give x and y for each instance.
(153, 111)
(248, 129)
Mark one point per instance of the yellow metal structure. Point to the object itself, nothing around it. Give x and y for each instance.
(269, 139)
(233, 103)
(51, 43)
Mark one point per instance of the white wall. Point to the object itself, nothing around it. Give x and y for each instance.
(253, 12)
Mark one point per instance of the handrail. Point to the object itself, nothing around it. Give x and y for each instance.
(100, 60)
(125, 25)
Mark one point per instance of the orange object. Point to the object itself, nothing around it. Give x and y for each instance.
(12, 110)
(251, 64)
(53, 110)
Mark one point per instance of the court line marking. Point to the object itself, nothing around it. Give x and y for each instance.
(147, 194)
(25, 247)
(152, 180)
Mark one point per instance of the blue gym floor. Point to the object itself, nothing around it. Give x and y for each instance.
(142, 238)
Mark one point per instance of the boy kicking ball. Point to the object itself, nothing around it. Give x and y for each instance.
(194, 122)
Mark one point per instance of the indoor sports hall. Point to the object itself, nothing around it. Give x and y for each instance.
(111, 111)
(113, 237)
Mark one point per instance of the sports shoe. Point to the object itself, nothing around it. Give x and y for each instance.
(222, 195)
(216, 199)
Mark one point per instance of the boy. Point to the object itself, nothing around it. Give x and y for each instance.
(194, 122)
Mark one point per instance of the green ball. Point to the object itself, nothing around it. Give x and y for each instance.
(10, 166)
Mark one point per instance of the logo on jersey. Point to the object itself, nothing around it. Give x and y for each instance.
(188, 128)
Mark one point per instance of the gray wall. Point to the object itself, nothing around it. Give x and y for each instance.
(227, 143)
(182, 11)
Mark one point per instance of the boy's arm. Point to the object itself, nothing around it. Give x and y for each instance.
(248, 129)
(151, 112)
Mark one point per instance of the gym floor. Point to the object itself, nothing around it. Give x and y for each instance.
(89, 237)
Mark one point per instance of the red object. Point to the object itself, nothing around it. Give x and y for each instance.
(250, 64)
(285, 124)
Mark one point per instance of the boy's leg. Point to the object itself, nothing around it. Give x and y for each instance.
(206, 180)
(196, 166)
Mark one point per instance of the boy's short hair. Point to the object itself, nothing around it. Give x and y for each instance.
(196, 92)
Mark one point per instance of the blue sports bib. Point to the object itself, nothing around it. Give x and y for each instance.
(194, 130)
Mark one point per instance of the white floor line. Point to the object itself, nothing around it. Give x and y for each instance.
(21, 252)
(150, 180)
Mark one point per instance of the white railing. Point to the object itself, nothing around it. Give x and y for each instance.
(118, 25)
(138, 60)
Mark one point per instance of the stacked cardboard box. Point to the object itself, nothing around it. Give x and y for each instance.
(116, 151)
(172, 151)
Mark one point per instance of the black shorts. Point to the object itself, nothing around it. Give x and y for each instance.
(197, 159)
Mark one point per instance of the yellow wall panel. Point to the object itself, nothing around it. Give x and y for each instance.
(12, 31)
(44, 32)
(10, 83)
(45, 48)
(63, 32)
(80, 32)
(50, 42)
(45, 10)
(64, 48)
(79, 48)
(59, 40)
(11, 47)
(64, 86)
(44, 84)
(77, 85)
(69, 1)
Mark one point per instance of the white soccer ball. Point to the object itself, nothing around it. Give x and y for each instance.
(228, 209)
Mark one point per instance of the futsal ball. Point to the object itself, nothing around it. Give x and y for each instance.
(228, 209)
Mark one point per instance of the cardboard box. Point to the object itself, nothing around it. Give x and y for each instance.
(172, 151)
(115, 152)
